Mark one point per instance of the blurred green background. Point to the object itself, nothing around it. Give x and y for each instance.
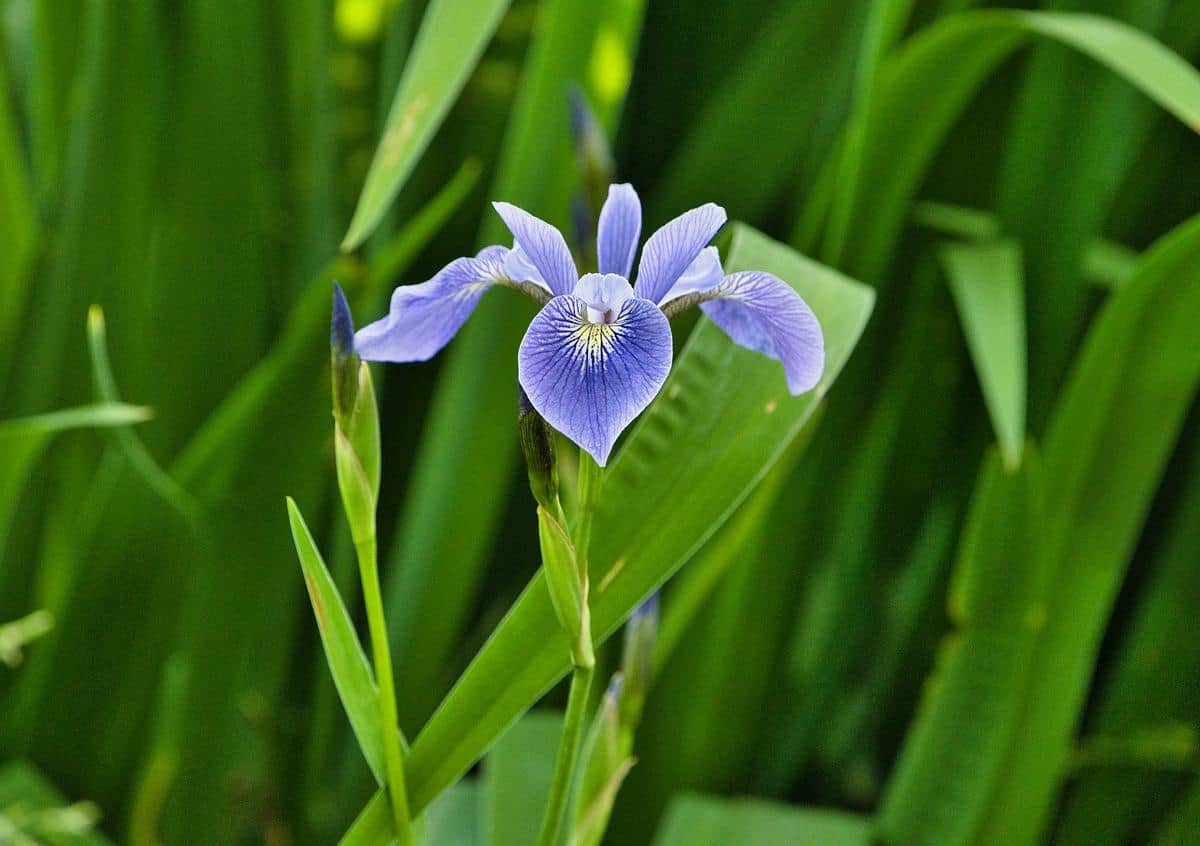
(951, 641)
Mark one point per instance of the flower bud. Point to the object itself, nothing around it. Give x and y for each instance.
(343, 358)
(606, 762)
(637, 663)
(537, 442)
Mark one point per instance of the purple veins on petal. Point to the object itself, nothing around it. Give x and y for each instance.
(619, 229)
(763, 313)
(590, 380)
(423, 318)
(543, 245)
(672, 249)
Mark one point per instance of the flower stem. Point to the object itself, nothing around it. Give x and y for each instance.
(568, 752)
(393, 759)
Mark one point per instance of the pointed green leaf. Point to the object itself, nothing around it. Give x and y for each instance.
(452, 37)
(988, 290)
(347, 662)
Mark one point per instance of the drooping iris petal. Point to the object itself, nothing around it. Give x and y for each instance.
(703, 274)
(763, 313)
(423, 318)
(619, 228)
(589, 380)
(518, 267)
(672, 249)
(604, 294)
(543, 245)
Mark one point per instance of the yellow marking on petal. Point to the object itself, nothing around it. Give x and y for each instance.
(610, 575)
(592, 336)
(609, 66)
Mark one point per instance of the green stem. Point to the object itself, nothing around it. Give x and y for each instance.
(393, 758)
(568, 752)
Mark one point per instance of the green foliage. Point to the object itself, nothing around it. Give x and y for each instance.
(952, 589)
(707, 821)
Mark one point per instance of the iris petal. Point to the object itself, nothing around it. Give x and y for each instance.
(543, 245)
(672, 249)
(702, 274)
(618, 230)
(590, 380)
(519, 268)
(763, 313)
(423, 318)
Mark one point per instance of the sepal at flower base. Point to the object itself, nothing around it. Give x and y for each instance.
(537, 444)
(358, 498)
(568, 589)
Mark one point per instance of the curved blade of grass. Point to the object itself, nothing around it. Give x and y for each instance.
(1155, 680)
(129, 443)
(716, 821)
(988, 290)
(917, 103)
(437, 559)
(1056, 185)
(449, 43)
(991, 778)
(348, 663)
(1113, 430)
(723, 402)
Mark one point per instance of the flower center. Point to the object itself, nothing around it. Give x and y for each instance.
(599, 313)
(604, 294)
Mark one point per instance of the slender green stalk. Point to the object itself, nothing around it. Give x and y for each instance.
(581, 677)
(568, 752)
(369, 570)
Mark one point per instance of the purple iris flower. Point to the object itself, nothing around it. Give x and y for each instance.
(600, 349)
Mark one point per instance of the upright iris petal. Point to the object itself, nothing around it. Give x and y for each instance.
(671, 250)
(590, 378)
(618, 231)
(543, 245)
(423, 318)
